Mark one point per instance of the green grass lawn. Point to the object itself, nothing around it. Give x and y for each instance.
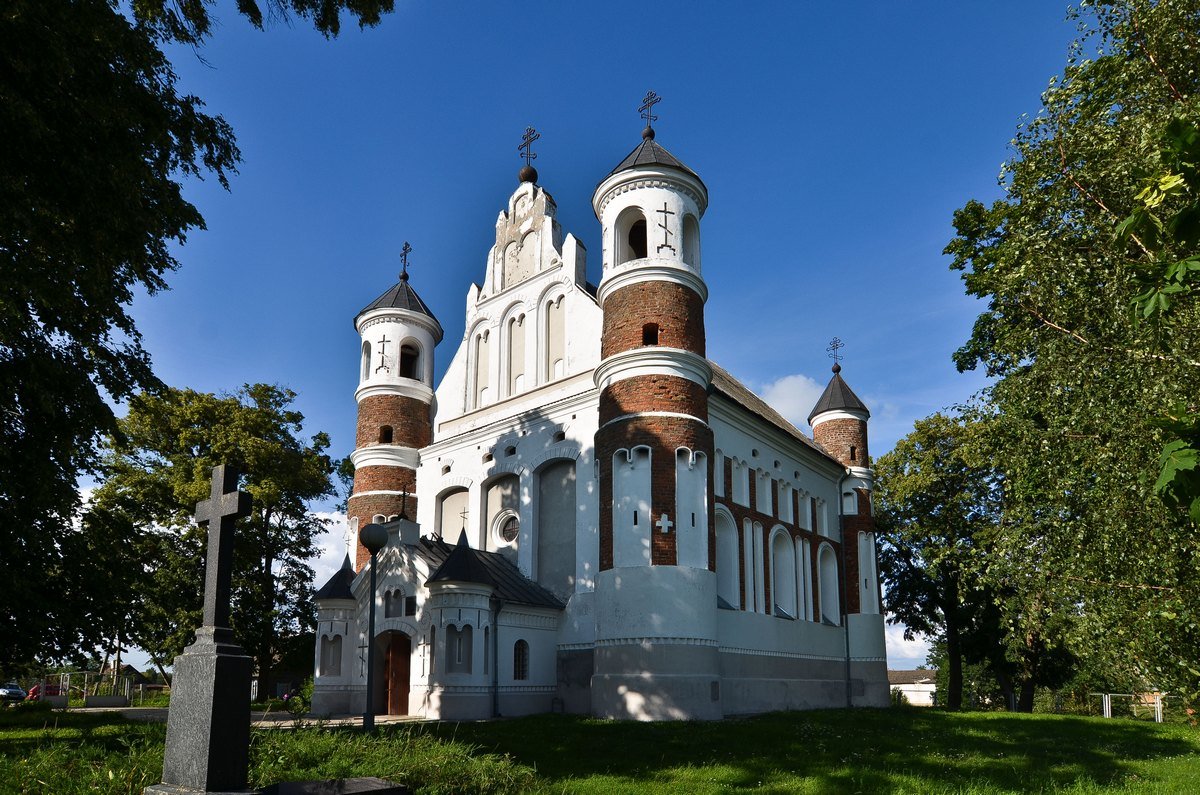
(893, 750)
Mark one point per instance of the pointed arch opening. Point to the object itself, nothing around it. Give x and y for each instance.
(827, 572)
(366, 361)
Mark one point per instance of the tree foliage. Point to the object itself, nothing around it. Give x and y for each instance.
(1081, 379)
(159, 465)
(96, 141)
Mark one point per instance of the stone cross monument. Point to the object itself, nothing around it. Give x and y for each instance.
(208, 726)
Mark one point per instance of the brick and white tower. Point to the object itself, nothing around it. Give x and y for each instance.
(395, 405)
(839, 424)
(655, 591)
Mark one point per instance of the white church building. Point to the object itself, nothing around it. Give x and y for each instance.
(586, 514)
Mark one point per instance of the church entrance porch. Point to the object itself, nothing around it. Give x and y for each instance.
(397, 648)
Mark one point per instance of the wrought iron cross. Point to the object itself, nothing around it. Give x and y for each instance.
(526, 147)
(835, 345)
(648, 102)
(464, 518)
(405, 250)
(224, 505)
(383, 355)
(666, 231)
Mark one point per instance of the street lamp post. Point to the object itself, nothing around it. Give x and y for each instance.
(374, 538)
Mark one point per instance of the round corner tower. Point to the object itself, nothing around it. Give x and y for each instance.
(654, 446)
(395, 406)
(839, 425)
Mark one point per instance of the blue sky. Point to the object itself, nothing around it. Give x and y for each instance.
(836, 141)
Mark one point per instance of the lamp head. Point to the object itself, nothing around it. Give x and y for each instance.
(374, 537)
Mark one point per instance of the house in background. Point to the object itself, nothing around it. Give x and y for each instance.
(919, 687)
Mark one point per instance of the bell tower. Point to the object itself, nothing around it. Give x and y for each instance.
(654, 446)
(395, 404)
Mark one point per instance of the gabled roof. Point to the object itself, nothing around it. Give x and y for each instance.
(838, 396)
(650, 153)
(919, 676)
(490, 568)
(730, 387)
(338, 586)
(400, 296)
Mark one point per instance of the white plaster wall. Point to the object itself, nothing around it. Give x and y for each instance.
(691, 509)
(649, 602)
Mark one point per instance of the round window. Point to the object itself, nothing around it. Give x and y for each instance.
(509, 529)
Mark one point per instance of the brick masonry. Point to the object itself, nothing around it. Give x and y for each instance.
(839, 436)
(653, 393)
(663, 435)
(676, 309)
(408, 417)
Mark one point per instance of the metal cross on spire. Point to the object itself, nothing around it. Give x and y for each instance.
(647, 107)
(834, 349)
(405, 250)
(526, 147)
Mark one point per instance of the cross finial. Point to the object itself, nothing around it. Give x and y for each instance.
(464, 514)
(834, 349)
(647, 107)
(526, 147)
(405, 250)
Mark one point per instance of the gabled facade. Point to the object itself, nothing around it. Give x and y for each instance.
(639, 535)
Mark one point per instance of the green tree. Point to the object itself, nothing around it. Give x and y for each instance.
(96, 142)
(159, 466)
(1080, 379)
(933, 504)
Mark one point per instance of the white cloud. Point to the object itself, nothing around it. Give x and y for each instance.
(331, 545)
(793, 396)
(904, 654)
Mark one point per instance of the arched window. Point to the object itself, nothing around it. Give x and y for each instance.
(849, 503)
(516, 354)
(410, 362)
(554, 527)
(458, 650)
(728, 577)
(783, 575)
(556, 349)
(366, 360)
(520, 660)
(503, 502)
(378, 519)
(691, 241)
(827, 571)
(385, 434)
(451, 514)
(393, 604)
(804, 600)
(630, 234)
(482, 361)
(331, 655)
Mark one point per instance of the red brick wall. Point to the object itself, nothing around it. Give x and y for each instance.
(676, 309)
(409, 418)
(838, 436)
(663, 435)
(863, 522)
(653, 393)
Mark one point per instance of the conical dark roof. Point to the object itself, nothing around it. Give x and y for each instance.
(650, 153)
(400, 296)
(338, 586)
(462, 565)
(838, 396)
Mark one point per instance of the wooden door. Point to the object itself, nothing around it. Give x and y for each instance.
(398, 654)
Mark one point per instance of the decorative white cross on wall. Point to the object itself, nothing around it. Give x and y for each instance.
(664, 524)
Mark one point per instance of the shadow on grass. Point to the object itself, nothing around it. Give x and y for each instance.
(22, 731)
(834, 751)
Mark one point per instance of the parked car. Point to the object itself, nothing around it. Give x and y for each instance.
(12, 692)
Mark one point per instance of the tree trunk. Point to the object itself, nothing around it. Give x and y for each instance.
(954, 659)
(1025, 702)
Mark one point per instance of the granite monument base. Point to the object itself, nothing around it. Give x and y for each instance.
(208, 724)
